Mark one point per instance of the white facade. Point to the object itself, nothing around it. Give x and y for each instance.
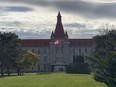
(53, 58)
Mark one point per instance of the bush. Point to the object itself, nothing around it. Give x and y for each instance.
(81, 68)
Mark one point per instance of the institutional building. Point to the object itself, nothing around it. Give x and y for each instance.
(58, 51)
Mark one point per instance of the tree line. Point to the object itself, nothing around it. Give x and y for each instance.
(12, 56)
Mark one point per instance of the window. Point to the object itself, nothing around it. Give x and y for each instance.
(79, 50)
(44, 66)
(74, 58)
(44, 58)
(82, 54)
(73, 50)
(56, 49)
(62, 50)
(85, 50)
(39, 51)
(38, 66)
(85, 57)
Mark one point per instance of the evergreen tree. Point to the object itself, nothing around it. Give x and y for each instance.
(9, 50)
(104, 58)
(78, 65)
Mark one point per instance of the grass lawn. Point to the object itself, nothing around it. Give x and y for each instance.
(50, 80)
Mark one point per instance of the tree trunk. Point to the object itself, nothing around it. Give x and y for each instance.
(18, 71)
(8, 72)
(2, 69)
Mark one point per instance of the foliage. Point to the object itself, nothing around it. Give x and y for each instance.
(104, 58)
(78, 66)
(78, 59)
(9, 50)
(27, 59)
(12, 56)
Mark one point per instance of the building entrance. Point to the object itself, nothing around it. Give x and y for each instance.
(59, 68)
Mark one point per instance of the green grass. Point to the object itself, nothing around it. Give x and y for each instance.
(50, 80)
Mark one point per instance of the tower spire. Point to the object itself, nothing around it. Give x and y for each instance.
(59, 17)
(66, 33)
(59, 31)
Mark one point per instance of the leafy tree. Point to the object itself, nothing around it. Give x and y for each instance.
(9, 50)
(26, 60)
(104, 58)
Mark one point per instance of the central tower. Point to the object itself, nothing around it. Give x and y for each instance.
(59, 54)
(59, 30)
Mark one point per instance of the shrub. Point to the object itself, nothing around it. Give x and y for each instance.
(81, 68)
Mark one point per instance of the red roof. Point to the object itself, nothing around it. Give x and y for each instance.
(35, 42)
(82, 42)
(45, 42)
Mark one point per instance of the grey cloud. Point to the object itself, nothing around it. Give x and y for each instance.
(82, 8)
(24, 32)
(75, 25)
(88, 33)
(82, 33)
(8, 23)
(16, 8)
(30, 35)
(86, 9)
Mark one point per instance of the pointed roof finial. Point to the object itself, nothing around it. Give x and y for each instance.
(66, 33)
(59, 15)
(52, 33)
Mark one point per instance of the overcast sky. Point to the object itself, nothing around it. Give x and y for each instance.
(35, 19)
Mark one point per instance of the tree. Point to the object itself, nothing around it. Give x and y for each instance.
(9, 50)
(26, 60)
(78, 65)
(104, 58)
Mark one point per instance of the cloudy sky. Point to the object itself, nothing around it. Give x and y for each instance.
(36, 19)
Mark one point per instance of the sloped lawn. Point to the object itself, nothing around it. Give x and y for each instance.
(50, 80)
